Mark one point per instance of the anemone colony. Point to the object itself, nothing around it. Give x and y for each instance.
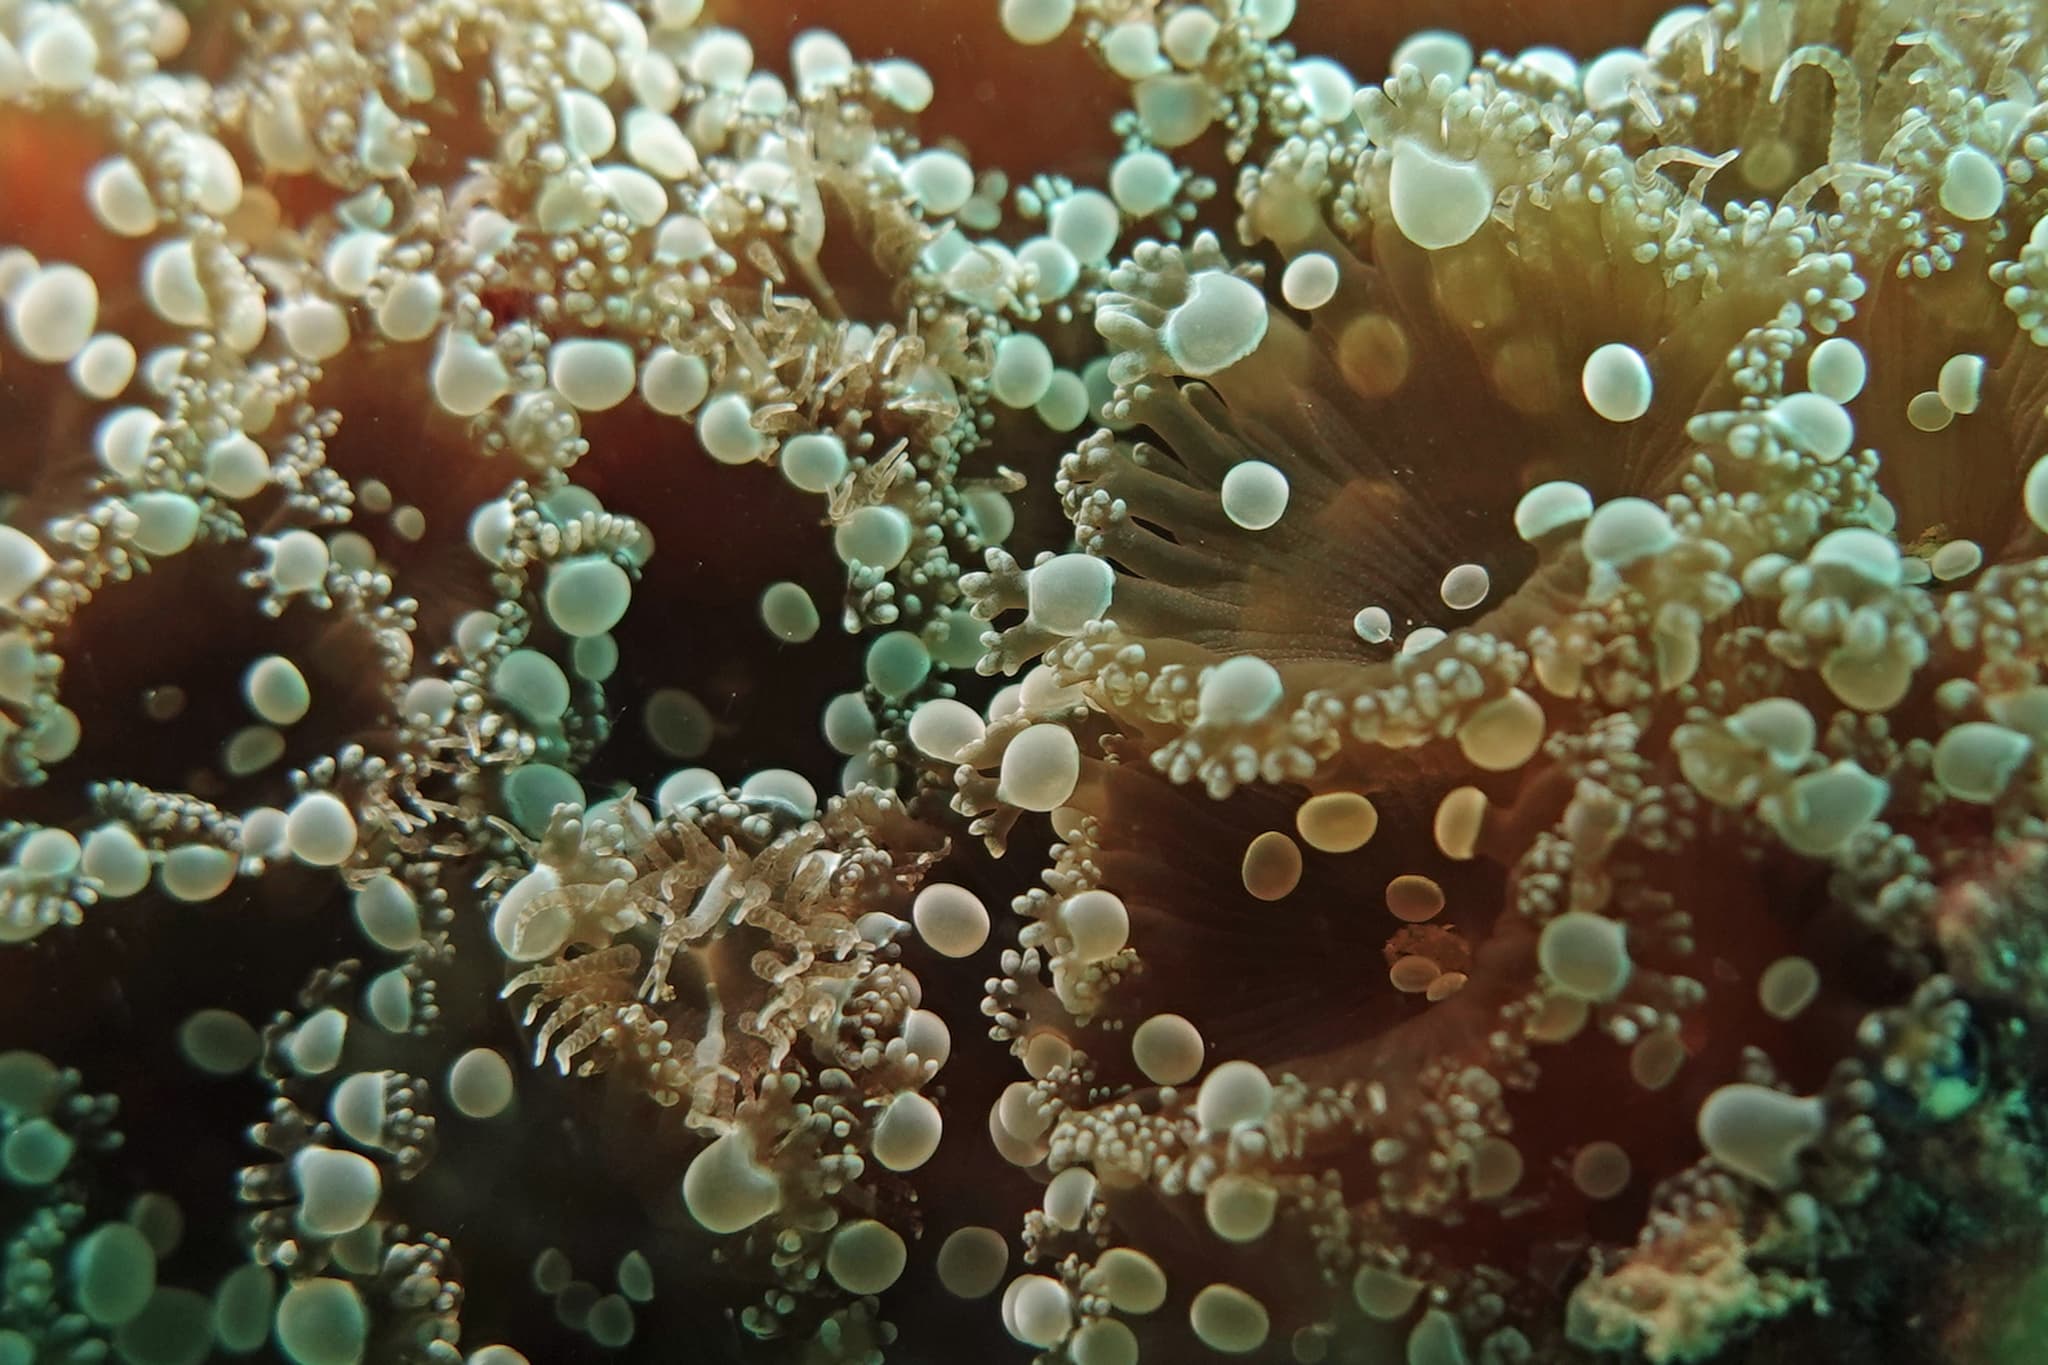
(1522, 813)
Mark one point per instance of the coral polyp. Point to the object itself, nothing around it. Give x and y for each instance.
(665, 702)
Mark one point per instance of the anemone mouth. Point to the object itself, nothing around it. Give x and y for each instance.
(192, 689)
(726, 525)
(387, 428)
(1280, 979)
(866, 249)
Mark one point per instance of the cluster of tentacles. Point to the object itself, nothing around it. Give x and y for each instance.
(1521, 806)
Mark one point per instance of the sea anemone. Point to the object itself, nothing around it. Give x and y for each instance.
(1526, 585)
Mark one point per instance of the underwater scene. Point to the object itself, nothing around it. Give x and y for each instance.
(1023, 682)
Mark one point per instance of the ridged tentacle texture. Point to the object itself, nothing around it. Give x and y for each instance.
(1517, 836)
